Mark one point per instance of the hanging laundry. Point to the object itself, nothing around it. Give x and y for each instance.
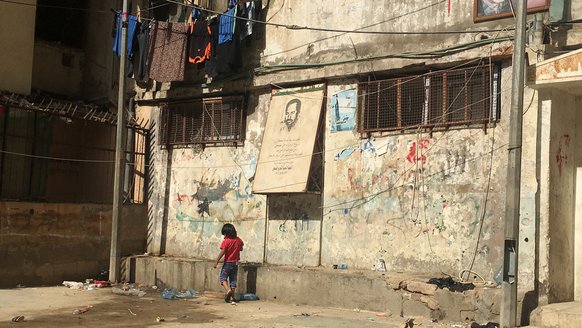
(131, 27)
(248, 11)
(200, 38)
(167, 51)
(228, 57)
(211, 63)
(143, 45)
(227, 25)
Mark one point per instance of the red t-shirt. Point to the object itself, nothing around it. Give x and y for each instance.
(232, 248)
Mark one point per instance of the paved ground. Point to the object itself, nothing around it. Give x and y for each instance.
(54, 307)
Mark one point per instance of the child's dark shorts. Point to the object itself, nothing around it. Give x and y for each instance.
(229, 271)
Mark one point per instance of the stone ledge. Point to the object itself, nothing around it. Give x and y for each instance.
(395, 293)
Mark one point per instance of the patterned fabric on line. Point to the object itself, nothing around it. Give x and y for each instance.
(167, 55)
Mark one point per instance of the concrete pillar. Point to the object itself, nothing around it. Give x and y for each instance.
(578, 236)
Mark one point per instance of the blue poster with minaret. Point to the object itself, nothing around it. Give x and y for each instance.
(343, 110)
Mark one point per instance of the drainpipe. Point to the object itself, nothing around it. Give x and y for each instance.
(114, 257)
(513, 188)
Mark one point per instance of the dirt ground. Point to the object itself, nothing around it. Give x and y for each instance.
(54, 307)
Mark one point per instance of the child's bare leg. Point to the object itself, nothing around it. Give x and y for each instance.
(228, 291)
(226, 286)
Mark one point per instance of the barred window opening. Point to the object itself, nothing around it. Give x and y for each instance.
(202, 121)
(443, 99)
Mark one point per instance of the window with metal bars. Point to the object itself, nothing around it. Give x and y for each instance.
(202, 121)
(442, 99)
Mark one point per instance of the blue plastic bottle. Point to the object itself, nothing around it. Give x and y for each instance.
(248, 297)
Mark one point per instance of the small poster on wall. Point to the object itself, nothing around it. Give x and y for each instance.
(486, 10)
(343, 110)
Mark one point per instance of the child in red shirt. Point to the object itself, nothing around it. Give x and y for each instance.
(230, 248)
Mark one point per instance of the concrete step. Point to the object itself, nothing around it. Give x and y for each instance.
(391, 293)
(558, 315)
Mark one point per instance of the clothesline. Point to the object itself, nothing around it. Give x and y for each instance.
(160, 49)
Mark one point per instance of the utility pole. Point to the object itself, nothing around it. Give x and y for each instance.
(114, 257)
(513, 190)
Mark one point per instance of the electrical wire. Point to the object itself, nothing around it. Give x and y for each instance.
(55, 158)
(321, 29)
(80, 9)
(223, 166)
(405, 55)
(359, 28)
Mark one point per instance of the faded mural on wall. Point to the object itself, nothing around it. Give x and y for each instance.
(209, 187)
(414, 199)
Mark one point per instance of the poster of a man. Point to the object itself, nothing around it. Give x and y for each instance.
(292, 110)
(491, 7)
(485, 10)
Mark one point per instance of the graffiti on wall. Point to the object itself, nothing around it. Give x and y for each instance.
(212, 198)
(561, 155)
(415, 151)
(397, 189)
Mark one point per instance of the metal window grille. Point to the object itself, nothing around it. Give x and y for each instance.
(46, 158)
(443, 99)
(202, 121)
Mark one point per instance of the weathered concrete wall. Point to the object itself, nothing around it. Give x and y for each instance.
(44, 244)
(100, 75)
(57, 69)
(307, 46)
(201, 189)
(16, 52)
(81, 181)
(421, 212)
(294, 229)
(90, 72)
(420, 205)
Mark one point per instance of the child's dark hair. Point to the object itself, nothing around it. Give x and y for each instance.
(228, 230)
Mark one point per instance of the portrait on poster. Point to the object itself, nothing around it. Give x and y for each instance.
(288, 141)
(486, 10)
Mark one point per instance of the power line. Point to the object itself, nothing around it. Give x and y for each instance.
(321, 29)
(359, 28)
(78, 9)
(55, 158)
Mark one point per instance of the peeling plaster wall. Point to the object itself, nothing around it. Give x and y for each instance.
(201, 189)
(307, 46)
(419, 206)
(294, 228)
